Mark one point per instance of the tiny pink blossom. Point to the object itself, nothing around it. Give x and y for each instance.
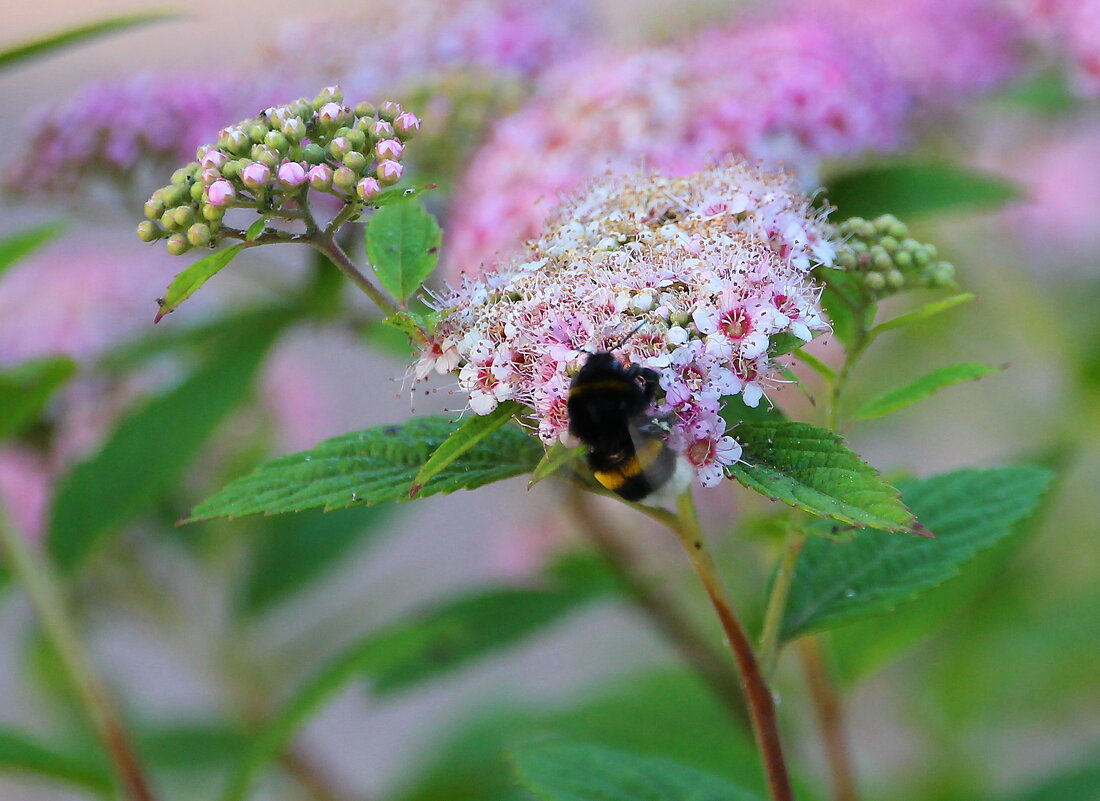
(389, 172)
(330, 113)
(291, 174)
(406, 124)
(320, 177)
(389, 149)
(220, 193)
(256, 175)
(368, 188)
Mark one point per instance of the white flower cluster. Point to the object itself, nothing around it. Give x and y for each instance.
(709, 268)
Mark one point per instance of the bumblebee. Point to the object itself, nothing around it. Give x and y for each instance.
(607, 406)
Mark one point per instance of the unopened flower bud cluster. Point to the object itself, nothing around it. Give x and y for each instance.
(709, 268)
(269, 163)
(887, 260)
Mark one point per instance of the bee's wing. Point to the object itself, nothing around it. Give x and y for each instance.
(654, 461)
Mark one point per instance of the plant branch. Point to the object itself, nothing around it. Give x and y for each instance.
(37, 580)
(327, 245)
(830, 719)
(761, 704)
(777, 601)
(660, 610)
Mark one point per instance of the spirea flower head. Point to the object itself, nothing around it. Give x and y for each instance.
(709, 268)
(789, 91)
(118, 129)
(269, 164)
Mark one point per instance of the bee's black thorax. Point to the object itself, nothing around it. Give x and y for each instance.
(607, 405)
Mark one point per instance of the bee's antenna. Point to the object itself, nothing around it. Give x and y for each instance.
(628, 336)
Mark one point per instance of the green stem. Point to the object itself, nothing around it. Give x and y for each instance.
(830, 718)
(777, 601)
(699, 655)
(327, 245)
(37, 580)
(761, 704)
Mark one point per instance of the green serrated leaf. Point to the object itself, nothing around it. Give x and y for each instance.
(80, 34)
(967, 511)
(403, 245)
(255, 230)
(556, 457)
(735, 412)
(811, 469)
(411, 651)
(583, 772)
(294, 550)
(922, 388)
(22, 243)
(472, 431)
(469, 766)
(25, 390)
(186, 283)
(19, 752)
(390, 197)
(150, 447)
(844, 303)
(923, 313)
(913, 188)
(368, 467)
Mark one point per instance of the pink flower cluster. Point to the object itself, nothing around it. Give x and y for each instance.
(124, 130)
(1071, 29)
(393, 47)
(943, 51)
(790, 91)
(711, 267)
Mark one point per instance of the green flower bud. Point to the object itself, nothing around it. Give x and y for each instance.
(858, 247)
(232, 169)
(177, 244)
(921, 256)
(257, 132)
(903, 260)
(173, 196)
(898, 230)
(365, 109)
(885, 224)
(212, 213)
(314, 154)
(344, 177)
(184, 215)
(199, 235)
(356, 138)
(880, 258)
(932, 251)
(302, 108)
(330, 94)
(294, 129)
(942, 274)
(846, 259)
(876, 282)
(355, 160)
(888, 243)
(196, 191)
(182, 176)
(895, 280)
(277, 141)
(154, 207)
(149, 231)
(266, 156)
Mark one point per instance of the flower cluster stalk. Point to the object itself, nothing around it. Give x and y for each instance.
(35, 576)
(762, 713)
